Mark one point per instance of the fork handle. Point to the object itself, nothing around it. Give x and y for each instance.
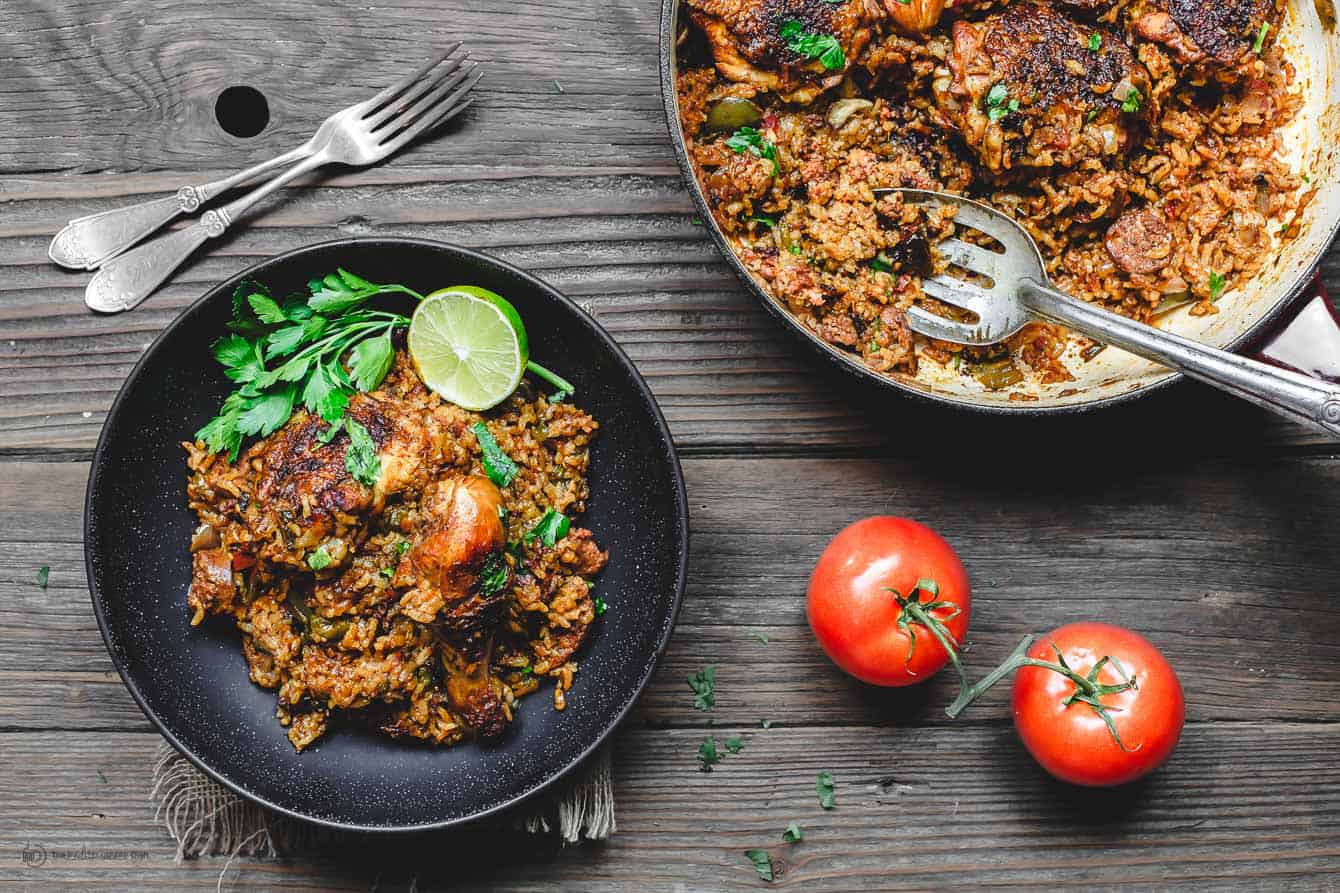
(88, 242)
(127, 279)
(1311, 401)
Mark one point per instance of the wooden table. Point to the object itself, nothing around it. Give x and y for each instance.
(1222, 546)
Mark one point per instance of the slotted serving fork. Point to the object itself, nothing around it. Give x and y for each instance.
(359, 135)
(1020, 292)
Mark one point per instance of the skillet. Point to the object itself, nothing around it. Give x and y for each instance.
(192, 682)
(1284, 300)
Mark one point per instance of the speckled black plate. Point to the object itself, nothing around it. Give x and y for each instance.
(192, 683)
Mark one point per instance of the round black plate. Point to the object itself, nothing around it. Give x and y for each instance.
(192, 683)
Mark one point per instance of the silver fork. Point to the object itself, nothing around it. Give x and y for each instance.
(360, 135)
(85, 243)
(1020, 292)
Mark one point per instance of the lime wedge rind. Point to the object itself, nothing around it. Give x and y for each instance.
(467, 349)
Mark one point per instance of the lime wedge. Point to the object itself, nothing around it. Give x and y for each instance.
(467, 348)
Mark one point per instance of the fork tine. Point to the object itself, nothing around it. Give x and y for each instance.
(970, 257)
(923, 322)
(402, 102)
(442, 111)
(401, 116)
(959, 293)
(385, 96)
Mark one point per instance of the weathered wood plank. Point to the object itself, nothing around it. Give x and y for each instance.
(917, 808)
(1237, 589)
(101, 85)
(578, 185)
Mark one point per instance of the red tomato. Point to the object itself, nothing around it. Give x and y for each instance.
(1073, 742)
(855, 616)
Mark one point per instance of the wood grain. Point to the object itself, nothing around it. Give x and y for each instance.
(916, 808)
(578, 186)
(1239, 596)
(1200, 521)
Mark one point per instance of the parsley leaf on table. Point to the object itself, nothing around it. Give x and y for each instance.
(762, 863)
(824, 788)
(734, 745)
(43, 574)
(708, 754)
(703, 684)
(793, 834)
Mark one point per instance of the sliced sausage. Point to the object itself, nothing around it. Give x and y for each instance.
(1140, 241)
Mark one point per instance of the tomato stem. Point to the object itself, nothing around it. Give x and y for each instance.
(1088, 690)
(914, 610)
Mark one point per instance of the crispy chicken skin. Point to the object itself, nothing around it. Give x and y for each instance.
(462, 529)
(307, 497)
(1217, 37)
(747, 45)
(1028, 91)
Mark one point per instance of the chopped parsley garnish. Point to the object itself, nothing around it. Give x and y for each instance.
(497, 465)
(43, 574)
(824, 787)
(1260, 42)
(793, 834)
(703, 684)
(734, 745)
(401, 548)
(762, 863)
(494, 574)
(998, 102)
(824, 47)
(1132, 101)
(1095, 41)
(361, 456)
(708, 754)
(882, 263)
(319, 560)
(752, 140)
(758, 636)
(1217, 284)
(549, 529)
(283, 355)
(795, 249)
(766, 221)
(600, 605)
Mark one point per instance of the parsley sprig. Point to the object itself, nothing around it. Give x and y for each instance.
(315, 351)
(811, 45)
(752, 140)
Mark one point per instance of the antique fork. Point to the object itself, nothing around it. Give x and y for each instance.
(1019, 292)
(360, 135)
(88, 241)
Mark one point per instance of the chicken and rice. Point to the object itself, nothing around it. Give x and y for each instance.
(1139, 142)
(425, 603)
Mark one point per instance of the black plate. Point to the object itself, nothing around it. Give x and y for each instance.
(192, 683)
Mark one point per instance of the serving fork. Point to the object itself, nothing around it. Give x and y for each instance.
(360, 135)
(1017, 291)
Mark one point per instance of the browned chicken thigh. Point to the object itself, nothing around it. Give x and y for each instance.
(1031, 87)
(785, 46)
(1220, 38)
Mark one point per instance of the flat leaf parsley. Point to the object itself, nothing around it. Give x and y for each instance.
(315, 350)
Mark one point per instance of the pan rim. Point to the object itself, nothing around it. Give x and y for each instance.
(842, 360)
(661, 429)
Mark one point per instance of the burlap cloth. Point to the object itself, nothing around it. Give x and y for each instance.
(207, 819)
